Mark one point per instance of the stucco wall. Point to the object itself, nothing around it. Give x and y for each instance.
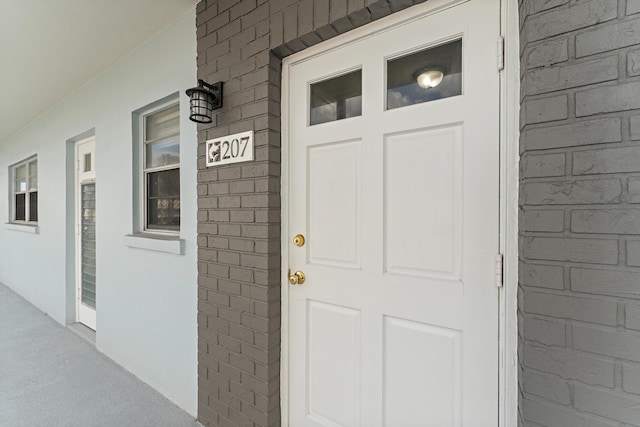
(146, 308)
(579, 219)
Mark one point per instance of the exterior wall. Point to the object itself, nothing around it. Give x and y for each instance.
(580, 218)
(241, 42)
(146, 308)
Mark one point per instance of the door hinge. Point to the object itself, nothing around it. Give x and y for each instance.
(500, 270)
(500, 53)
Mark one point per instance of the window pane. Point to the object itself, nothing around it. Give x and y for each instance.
(163, 124)
(163, 200)
(87, 162)
(337, 98)
(21, 178)
(163, 153)
(33, 206)
(20, 207)
(88, 236)
(424, 76)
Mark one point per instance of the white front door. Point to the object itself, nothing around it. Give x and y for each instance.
(391, 149)
(86, 232)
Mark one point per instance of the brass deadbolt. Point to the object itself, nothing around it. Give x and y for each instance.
(298, 240)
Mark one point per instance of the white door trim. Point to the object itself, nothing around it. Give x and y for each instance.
(509, 158)
(509, 167)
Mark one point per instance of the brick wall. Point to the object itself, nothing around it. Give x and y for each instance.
(579, 219)
(241, 42)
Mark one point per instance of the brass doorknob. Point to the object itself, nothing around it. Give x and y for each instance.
(296, 278)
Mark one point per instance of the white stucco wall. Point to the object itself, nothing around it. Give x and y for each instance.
(147, 300)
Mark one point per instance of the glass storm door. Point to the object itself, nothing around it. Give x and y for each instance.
(393, 180)
(86, 232)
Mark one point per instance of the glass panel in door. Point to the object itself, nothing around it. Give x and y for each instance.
(88, 239)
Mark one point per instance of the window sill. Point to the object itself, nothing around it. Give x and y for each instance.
(25, 228)
(154, 242)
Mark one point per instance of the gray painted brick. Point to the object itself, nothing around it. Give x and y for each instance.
(560, 21)
(581, 133)
(550, 415)
(632, 316)
(633, 63)
(547, 386)
(608, 37)
(568, 76)
(631, 378)
(546, 221)
(546, 109)
(542, 276)
(607, 99)
(543, 165)
(635, 127)
(548, 53)
(571, 192)
(605, 282)
(617, 221)
(570, 365)
(610, 404)
(633, 253)
(572, 250)
(553, 33)
(634, 190)
(610, 160)
(549, 332)
(572, 307)
(536, 6)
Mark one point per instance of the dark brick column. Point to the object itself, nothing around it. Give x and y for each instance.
(580, 218)
(241, 42)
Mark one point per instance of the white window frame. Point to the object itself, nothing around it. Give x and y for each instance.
(33, 160)
(143, 171)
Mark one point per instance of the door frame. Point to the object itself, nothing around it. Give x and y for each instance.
(76, 228)
(508, 188)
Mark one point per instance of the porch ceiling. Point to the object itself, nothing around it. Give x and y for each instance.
(48, 49)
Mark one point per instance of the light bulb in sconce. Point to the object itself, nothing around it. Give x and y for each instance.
(430, 78)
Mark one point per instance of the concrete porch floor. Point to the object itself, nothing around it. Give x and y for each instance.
(49, 376)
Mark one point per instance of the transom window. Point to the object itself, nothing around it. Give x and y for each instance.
(161, 169)
(428, 75)
(336, 98)
(25, 191)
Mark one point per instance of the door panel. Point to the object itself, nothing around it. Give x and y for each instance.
(397, 321)
(334, 356)
(422, 202)
(334, 204)
(417, 354)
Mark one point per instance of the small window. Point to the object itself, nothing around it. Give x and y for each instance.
(337, 98)
(161, 169)
(424, 76)
(25, 191)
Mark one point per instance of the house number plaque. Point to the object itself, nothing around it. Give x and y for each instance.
(230, 149)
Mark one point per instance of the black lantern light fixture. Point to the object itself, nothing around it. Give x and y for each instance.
(204, 98)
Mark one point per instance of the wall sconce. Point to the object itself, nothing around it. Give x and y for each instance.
(204, 98)
(429, 78)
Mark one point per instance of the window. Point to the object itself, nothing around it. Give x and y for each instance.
(336, 98)
(25, 191)
(428, 75)
(161, 168)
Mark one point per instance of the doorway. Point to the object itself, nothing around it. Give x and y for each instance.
(392, 224)
(85, 196)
